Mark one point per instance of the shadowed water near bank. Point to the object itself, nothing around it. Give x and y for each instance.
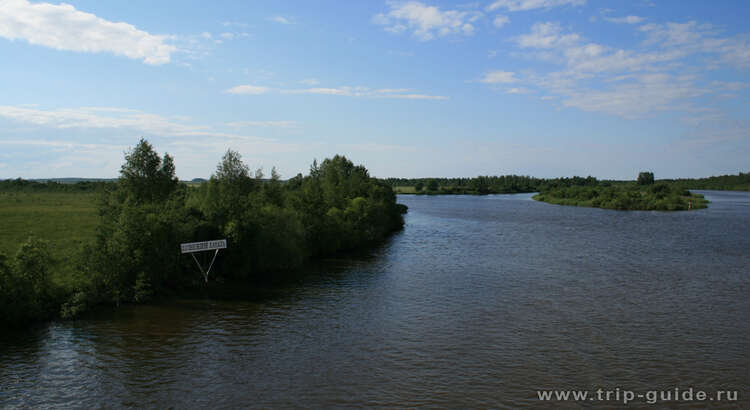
(479, 301)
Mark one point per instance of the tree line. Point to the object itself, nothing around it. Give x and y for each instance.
(480, 185)
(510, 184)
(271, 226)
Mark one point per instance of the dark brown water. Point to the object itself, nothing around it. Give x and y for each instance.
(479, 302)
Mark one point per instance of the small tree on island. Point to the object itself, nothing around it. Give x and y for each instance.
(645, 178)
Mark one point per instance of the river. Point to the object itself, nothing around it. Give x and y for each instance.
(480, 301)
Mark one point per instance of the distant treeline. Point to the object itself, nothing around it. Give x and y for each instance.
(270, 227)
(739, 182)
(24, 185)
(510, 184)
(481, 185)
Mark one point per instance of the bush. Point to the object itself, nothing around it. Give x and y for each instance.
(26, 292)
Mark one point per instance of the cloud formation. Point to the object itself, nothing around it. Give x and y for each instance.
(625, 20)
(523, 5)
(62, 27)
(499, 77)
(248, 89)
(426, 22)
(500, 20)
(281, 20)
(664, 72)
(345, 91)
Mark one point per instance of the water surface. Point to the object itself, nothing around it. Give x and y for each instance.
(478, 302)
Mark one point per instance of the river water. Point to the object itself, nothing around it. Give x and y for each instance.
(478, 302)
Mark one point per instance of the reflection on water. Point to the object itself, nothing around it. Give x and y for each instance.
(480, 301)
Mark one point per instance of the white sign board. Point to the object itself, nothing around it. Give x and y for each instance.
(203, 246)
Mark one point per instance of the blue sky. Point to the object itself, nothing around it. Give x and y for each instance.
(408, 88)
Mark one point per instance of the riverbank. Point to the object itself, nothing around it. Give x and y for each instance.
(122, 247)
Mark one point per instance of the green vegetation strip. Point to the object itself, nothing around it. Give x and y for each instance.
(659, 197)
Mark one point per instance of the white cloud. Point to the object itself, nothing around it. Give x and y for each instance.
(395, 93)
(62, 27)
(248, 89)
(646, 95)
(499, 77)
(426, 22)
(196, 149)
(310, 81)
(518, 90)
(234, 24)
(523, 5)
(269, 124)
(281, 20)
(659, 74)
(227, 36)
(691, 37)
(625, 20)
(674, 34)
(500, 20)
(392, 90)
(415, 96)
(547, 35)
(206, 35)
(105, 117)
(349, 91)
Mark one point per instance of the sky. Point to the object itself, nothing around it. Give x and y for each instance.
(545, 88)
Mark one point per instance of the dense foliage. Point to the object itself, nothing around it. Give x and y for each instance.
(481, 185)
(271, 226)
(26, 291)
(645, 178)
(739, 182)
(590, 192)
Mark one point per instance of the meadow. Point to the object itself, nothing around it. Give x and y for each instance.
(66, 220)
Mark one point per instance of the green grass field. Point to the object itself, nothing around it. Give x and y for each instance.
(404, 190)
(66, 220)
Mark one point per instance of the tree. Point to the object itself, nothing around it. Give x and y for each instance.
(145, 177)
(645, 178)
(231, 168)
(418, 186)
(432, 185)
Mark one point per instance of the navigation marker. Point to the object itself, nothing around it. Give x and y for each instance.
(193, 247)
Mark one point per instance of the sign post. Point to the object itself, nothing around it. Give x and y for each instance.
(193, 247)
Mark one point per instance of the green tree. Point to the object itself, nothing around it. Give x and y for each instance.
(432, 185)
(143, 222)
(645, 178)
(231, 168)
(26, 290)
(144, 177)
